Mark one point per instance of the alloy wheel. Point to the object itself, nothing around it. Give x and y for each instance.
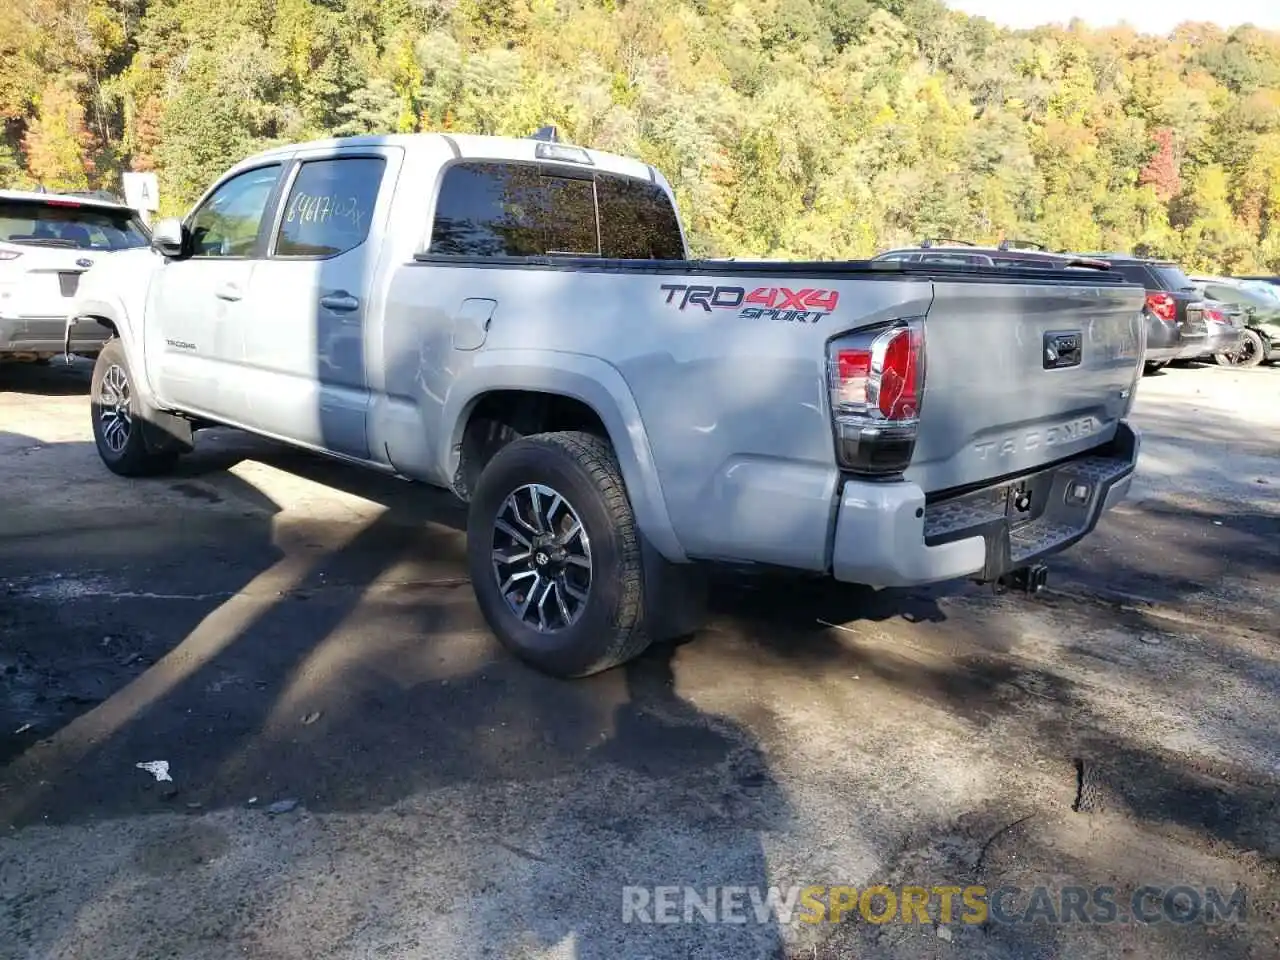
(542, 558)
(114, 411)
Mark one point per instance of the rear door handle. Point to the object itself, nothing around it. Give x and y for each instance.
(340, 302)
(228, 291)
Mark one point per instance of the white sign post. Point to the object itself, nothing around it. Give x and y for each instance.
(142, 192)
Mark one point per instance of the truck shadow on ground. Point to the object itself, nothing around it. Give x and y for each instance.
(52, 379)
(319, 674)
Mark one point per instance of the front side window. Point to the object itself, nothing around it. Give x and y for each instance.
(226, 224)
(488, 209)
(67, 223)
(330, 207)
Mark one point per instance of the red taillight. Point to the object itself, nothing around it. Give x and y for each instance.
(62, 203)
(1215, 316)
(1163, 306)
(899, 384)
(877, 385)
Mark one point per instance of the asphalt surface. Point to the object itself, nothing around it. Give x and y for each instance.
(283, 630)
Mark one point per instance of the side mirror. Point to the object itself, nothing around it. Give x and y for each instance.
(169, 238)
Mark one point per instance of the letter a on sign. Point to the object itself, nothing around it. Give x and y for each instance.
(142, 191)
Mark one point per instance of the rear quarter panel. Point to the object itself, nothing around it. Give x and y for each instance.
(734, 408)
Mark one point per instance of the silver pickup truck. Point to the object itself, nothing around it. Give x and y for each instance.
(517, 320)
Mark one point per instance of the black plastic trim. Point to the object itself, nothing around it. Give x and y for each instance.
(861, 269)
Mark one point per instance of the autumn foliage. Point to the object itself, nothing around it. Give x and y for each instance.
(789, 128)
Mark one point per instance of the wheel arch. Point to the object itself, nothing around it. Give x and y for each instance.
(556, 391)
(111, 313)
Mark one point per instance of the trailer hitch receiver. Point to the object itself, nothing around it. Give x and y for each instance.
(1030, 580)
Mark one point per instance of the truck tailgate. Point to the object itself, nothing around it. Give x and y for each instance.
(1022, 374)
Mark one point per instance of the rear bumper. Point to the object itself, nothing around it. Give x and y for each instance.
(1164, 341)
(888, 535)
(1162, 354)
(1219, 341)
(44, 335)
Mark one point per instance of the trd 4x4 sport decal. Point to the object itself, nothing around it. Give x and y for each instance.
(767, 303)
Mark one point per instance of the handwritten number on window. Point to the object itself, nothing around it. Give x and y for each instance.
(326, 208)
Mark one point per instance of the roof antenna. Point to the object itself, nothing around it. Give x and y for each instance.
(548, 134)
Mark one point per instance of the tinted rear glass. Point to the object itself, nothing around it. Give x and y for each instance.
(1170, 277)
(488, 209)
(69, 225)
(569, 217)
(960, 258)
(1133, 272)
(1029, 263)
(637, 220)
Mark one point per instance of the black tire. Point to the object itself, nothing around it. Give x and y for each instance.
(123, 449)
(1153, 366)
(1091, 795)
(609, 628)
(1253, 350)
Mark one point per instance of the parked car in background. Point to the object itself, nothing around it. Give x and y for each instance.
(1174, 329)
(47, 243)
(1224, 329)
(518, 321)
(1258, 303)
(1010, 254)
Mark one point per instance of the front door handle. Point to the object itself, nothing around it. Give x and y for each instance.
(341, 301)
(228, 291)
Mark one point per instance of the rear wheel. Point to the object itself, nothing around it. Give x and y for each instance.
(1251, 352)
(555, 555)
(1155, 365)
(118, 418)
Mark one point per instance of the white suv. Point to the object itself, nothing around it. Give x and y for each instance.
(47, 241)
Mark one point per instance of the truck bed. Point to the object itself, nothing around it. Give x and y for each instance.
(733, 394)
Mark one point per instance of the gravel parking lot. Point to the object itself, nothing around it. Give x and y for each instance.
(281, 628)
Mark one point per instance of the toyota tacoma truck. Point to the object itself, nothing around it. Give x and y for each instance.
(519, 321)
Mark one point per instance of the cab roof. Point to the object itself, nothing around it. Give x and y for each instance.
(472, 147)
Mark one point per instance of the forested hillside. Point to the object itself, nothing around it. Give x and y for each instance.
(790, 128)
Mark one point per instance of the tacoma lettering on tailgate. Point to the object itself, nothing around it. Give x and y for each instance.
(1033, 439)
(762, 303)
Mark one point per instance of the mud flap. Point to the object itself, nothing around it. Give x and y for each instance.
(165, 433)
(676, 595)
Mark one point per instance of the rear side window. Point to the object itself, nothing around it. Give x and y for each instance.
(69, 224)
(488, 209)
(330, 207)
